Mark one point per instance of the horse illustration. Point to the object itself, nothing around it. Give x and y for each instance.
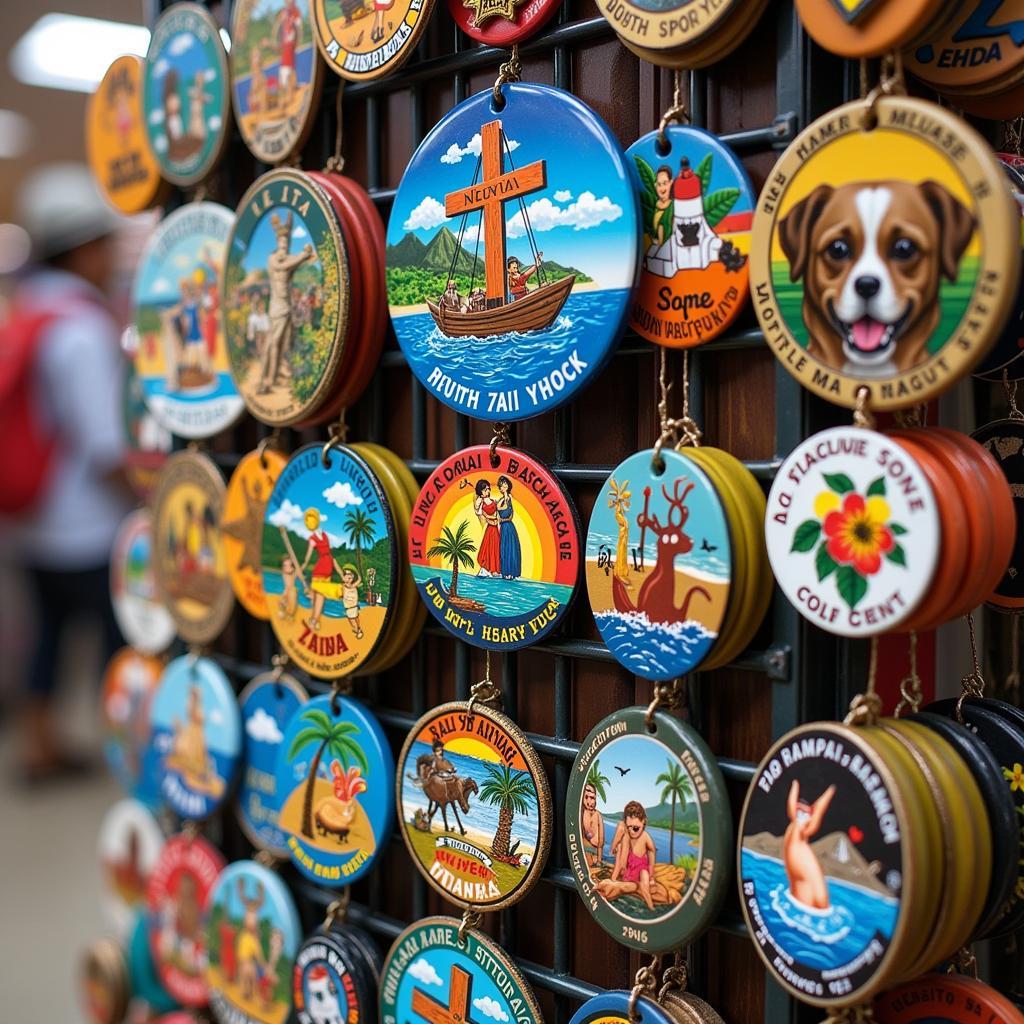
(444, 791)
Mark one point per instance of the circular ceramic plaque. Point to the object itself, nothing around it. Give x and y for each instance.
(196, 730)
(276, 76)
(885, 259)
(286, 297)
(494, 548)
(616, 1008)
(865, 28)
(115, 139)
(513, 247)
(944, 999)
(147, 441)
(181, 359)
(129, 844)
(331, 982)
(327, 524)
(501, 22)
(475, 806)
(185, 99)
(648, 830)
(144, 622)
(252, 934)
(189, 562)
(659, 564)
(852, 531)
(697, 204)
(334, 788)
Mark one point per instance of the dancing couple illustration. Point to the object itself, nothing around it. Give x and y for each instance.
(500, 553)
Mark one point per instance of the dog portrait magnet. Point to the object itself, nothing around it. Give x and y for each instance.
(885, 259)
(853, 531)
(697, 205)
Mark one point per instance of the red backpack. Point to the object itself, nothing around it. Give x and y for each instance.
(29, 446)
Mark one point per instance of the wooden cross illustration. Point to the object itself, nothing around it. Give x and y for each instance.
(490, 195)
(457, 1010)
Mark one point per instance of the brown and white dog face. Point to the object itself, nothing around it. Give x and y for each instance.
(871, 256)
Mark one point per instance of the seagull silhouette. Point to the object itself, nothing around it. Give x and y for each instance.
(623, 771)
(705, 546)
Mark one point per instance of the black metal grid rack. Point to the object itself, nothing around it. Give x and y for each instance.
(807, 82)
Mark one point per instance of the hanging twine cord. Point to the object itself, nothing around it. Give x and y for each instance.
(1012, 683)
(470, 920)
(644, 984)
(890, 82)
(677, 113)
(272, 440)
(675, 978)
(1013, 135)
(850, 1015)
(507, 72)
(485, 691)
(678, 433)
(964, 962)
(910, 685)
(1010, 387)
(861, 413)
(337, 434)
(337, 910)
(501, 437)
(670, 695)
(339, 688)
(336, 162)
(972, 684)
(867, 706)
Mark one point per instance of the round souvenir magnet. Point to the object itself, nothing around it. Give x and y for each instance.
(334, 788)
(252, 935)
(197, 733)
(116, 143)
(431, 973)
(825, 865)
(944, 999)
(909, 313)
(129, 843)
(245, 507)
(330, 981)
(276, 76)
(648, 830)
(1004, 439)
(853, 531)
(287, 295)
(129, 682)
(688, 1008)
(501, 23)
(475, 805)
(697, 204)
(368, 40)
(865, 28)
(144, 622)
(143, 979)
(189, 562)
(267, 705)
(177, 903)
(104, 981)
(518, 230)
(619, 1007)
(659, 564)
(185, 97)
(181, 359)
(147, 441)
(328, 527)
(494, 548)
(676, 25)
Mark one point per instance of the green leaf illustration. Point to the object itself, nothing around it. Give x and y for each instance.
(897, 529)
(719, 203)
(824, 562)
(851, 585)
(646, 174)
(876, 487)
(703, 172)
(897, 556)
(806, 536)
(838, 482)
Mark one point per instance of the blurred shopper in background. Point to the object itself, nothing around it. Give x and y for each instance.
(68, 491)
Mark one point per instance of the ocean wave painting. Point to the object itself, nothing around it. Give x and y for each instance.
(649, 648)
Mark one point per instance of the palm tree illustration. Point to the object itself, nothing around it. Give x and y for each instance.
(455, 548)
(359, 527)
(512, 793)
(598, 780)
(675, 787)
(337, 740)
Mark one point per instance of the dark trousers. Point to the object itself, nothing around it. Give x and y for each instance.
(60, 598)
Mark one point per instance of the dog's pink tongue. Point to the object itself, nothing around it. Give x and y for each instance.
(867, 334)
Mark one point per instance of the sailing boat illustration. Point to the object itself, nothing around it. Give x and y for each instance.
(488, 194)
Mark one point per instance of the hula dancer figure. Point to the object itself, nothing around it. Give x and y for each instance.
(287, 28)
(517, 278)
(323, 569)
(510, 551)
(488, 556)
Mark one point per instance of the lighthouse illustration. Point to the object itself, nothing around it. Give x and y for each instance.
(692, 243)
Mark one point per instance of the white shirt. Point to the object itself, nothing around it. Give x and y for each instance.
(79, 376)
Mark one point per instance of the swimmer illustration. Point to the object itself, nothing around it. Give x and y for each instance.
(635, 855)
(803, 869)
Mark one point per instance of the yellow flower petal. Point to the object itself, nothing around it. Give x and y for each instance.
(877, 509)
(827, 501)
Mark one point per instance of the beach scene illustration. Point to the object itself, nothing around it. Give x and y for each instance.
(334, 773)
(273, 68)
(143, 620)
(252, 934)
(470, 808)
(181, 359)
(659, 565)
(640, 822)
(185, 92)
(510, 259)
(129, 844)
(197, 733)
(327, 561)
(494, 559)
(284, 285)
